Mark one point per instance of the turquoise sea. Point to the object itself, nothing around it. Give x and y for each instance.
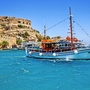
(18, 72)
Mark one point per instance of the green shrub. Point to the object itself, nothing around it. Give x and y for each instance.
(20, 26)
(18, 41)
(3, 24)
(4, 44)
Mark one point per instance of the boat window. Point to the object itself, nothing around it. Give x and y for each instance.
(66, 45)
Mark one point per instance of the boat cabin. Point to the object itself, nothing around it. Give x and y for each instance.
(50, 45)
(32, 46)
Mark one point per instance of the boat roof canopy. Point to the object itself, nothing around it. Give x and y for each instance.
(47, 41)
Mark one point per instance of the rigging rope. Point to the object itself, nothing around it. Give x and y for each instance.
(56, 24)
(83, 29)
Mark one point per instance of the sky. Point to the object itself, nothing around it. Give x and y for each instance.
(51, 13)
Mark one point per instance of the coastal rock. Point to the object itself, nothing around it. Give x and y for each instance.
(11, 28)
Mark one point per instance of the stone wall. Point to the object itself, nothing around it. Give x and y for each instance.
(14, 23)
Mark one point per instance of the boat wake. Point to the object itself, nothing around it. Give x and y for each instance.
(25, 70)
(61, 60)
(67, 59)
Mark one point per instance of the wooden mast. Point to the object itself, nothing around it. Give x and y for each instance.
(71, 33)
(44, 32)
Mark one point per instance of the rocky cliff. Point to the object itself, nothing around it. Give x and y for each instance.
(12, 28)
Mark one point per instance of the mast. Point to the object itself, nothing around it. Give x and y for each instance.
(71, 34)
(44, 32)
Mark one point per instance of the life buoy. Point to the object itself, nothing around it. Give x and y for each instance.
(69, 39)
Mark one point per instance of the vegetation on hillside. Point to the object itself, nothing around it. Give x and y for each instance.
(47, 37)
(18, 41)
(4, 44)
(40, 37)
(24, 35)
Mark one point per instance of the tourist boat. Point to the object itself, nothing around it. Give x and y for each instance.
(69, 49)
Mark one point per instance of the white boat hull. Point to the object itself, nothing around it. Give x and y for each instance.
(80, 54)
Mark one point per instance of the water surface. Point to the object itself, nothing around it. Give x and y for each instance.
(18, 72)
